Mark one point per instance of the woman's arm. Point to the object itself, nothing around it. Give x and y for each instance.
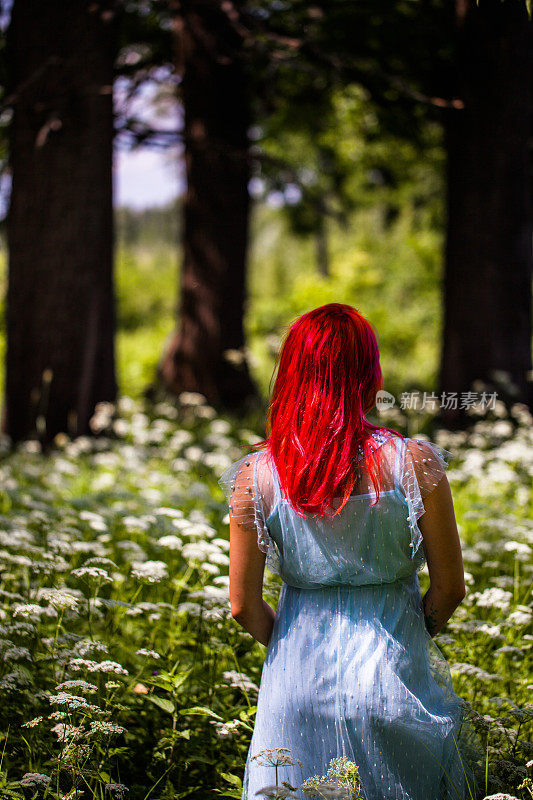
(246, 569)
(442, 548)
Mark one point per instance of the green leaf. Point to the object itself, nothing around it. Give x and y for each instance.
(162, 702)
(163, 681)
(180, 679)
(247, 712)
(233, 779)
(202, 711)
(169, 682)
(202, 759)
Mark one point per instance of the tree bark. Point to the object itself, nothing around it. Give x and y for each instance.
(488, 259)
(215, 99)
(60, 304)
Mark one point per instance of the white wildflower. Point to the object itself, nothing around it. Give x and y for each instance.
(110, 666)
(79, 685)
(18, 560)
(220, 426)
(24, 629)
(148, 653)
(169, 512)
(194, 552)
(149, 571)
(503, 581)
(493, 598)
(60, 599)
(206, 566)
(66, 733)
(59, 715)
(92, 574)
(86, 646)
(490, 630)
(522, 551)
(79, 664)
(500, 796)
(222, 543)
(135, 523)
(35, 780)
(276, 757)
(32, 723)
(196, 529)
(213, 595)
(14, 681)
(193, 453)
(192, 609)
(71, 701)
(116, 788)
(520, 616)
(508, 650)
(171, 542)
(107, 728)
(103, 481)
(28, 610)
(225, 730)
(17, 654)
(239, 680)
(475, 672)
(219, 558)
(86, 547)
(96, 521)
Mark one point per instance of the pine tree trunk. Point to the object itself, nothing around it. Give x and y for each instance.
(60, 305)
(488, 271)
(216, 211)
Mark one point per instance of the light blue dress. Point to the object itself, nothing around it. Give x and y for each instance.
(350, 669)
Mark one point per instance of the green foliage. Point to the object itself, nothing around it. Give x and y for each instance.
(149, 227)
(121, 665)
(147, 285)
(390, 272)
(384, 238)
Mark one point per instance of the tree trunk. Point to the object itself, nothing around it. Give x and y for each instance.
(60, 305)
(215, 98)
(488, 270)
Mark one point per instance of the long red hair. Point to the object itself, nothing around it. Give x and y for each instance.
(328, 376)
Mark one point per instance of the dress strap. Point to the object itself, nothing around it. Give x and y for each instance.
(400, 447)
(275, 481)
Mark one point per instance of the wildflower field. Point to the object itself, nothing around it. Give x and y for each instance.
(123, 673)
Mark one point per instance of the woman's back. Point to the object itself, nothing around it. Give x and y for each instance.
(363, 543)
(350, 670)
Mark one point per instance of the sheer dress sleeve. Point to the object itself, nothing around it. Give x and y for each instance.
(423, 465)
(249, 489)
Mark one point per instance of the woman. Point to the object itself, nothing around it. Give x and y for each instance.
(340, 510)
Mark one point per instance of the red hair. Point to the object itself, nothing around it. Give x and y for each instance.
(328, 376)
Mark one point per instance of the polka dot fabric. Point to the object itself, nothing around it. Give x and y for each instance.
(350, 669)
